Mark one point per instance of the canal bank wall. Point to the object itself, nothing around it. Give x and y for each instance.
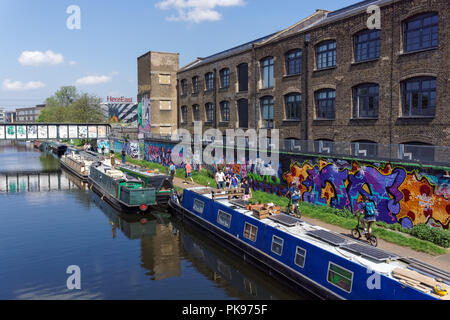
(403, 193)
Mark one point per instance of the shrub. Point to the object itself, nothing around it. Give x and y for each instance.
(437, 236)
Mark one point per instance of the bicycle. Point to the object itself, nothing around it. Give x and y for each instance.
(296, 213)
(356, 232)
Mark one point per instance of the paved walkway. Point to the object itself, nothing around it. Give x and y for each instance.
(442, 261)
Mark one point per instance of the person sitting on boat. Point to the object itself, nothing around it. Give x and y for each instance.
(370, 214)
(113, 159)
(294, 193)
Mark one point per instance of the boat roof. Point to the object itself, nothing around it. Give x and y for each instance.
(375, 259)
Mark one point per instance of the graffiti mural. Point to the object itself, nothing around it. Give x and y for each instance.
(159, 153)
(131, 148)
(400, 196)
(103, 143)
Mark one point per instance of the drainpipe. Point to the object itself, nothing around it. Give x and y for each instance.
(216, 118)
(255, 86)
(178, 104)
(306, 89)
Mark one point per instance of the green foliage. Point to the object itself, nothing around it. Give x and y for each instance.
(67, 105)
(437, 236)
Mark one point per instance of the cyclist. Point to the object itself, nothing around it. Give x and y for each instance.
(294, 193)
(370, 215)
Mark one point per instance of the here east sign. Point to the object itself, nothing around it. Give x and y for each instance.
(119, 100)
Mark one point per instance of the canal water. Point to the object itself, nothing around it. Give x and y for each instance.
(49, 221)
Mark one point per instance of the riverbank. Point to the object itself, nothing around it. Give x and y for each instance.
(341, 221)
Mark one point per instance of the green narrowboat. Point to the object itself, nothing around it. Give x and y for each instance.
(152, 179)
(124, 193)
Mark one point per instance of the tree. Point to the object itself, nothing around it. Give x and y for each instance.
(67, 105)
(86, 109)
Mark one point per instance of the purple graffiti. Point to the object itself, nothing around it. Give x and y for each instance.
(317, 180)
(381, 187)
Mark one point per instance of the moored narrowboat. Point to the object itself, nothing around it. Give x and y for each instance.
(78, 163)
(153, 179)
(124, 193)
(309, 257)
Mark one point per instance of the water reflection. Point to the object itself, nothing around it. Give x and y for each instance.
(18, 182)
(121, 256)
(165, 242)
(229, 271)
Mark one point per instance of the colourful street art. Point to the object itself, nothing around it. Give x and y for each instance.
(130, 147)
(159, 153)
(400, 196)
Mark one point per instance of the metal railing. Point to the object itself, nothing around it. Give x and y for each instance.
(409, 153)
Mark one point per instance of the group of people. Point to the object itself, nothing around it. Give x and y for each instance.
(228, 179)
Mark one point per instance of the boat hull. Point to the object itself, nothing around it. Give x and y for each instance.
(83, 177)
(253, 256)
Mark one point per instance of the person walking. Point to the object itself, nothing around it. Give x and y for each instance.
(124, 156)
(188, 174)
(247, 190)
(220, 178)
(172, 171)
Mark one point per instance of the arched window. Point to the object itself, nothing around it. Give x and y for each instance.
(224, 78)
(367, 45)
(294, 62)
(293, 103)
(242, 70)
(196, 112)
(420, 32)
(364, 148)
(183, 87)
(267, 72)
(365, 101)
(209, 110)
(419, 97)
(183, 114)
(225, 111)
(195, 84)
(325, 104)
(415, 150)
(326, 54)
(267, 112)
(209, 81)
(324, 146)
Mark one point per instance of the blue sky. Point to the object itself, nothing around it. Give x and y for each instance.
(39, 54)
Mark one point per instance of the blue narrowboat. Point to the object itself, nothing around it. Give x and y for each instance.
(309, 257)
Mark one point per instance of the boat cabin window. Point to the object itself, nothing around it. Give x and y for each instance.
(340, 277)
(250, 232)
(224, 219)
(277, 245)
(198, 206)
(300, 256)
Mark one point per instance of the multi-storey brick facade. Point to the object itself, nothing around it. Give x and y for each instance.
(353, 84)
(157, 80)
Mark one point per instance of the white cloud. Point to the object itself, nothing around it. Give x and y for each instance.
(10, 85)
(72, 63)
(197, 10)
(91, 80)
(37, 58)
